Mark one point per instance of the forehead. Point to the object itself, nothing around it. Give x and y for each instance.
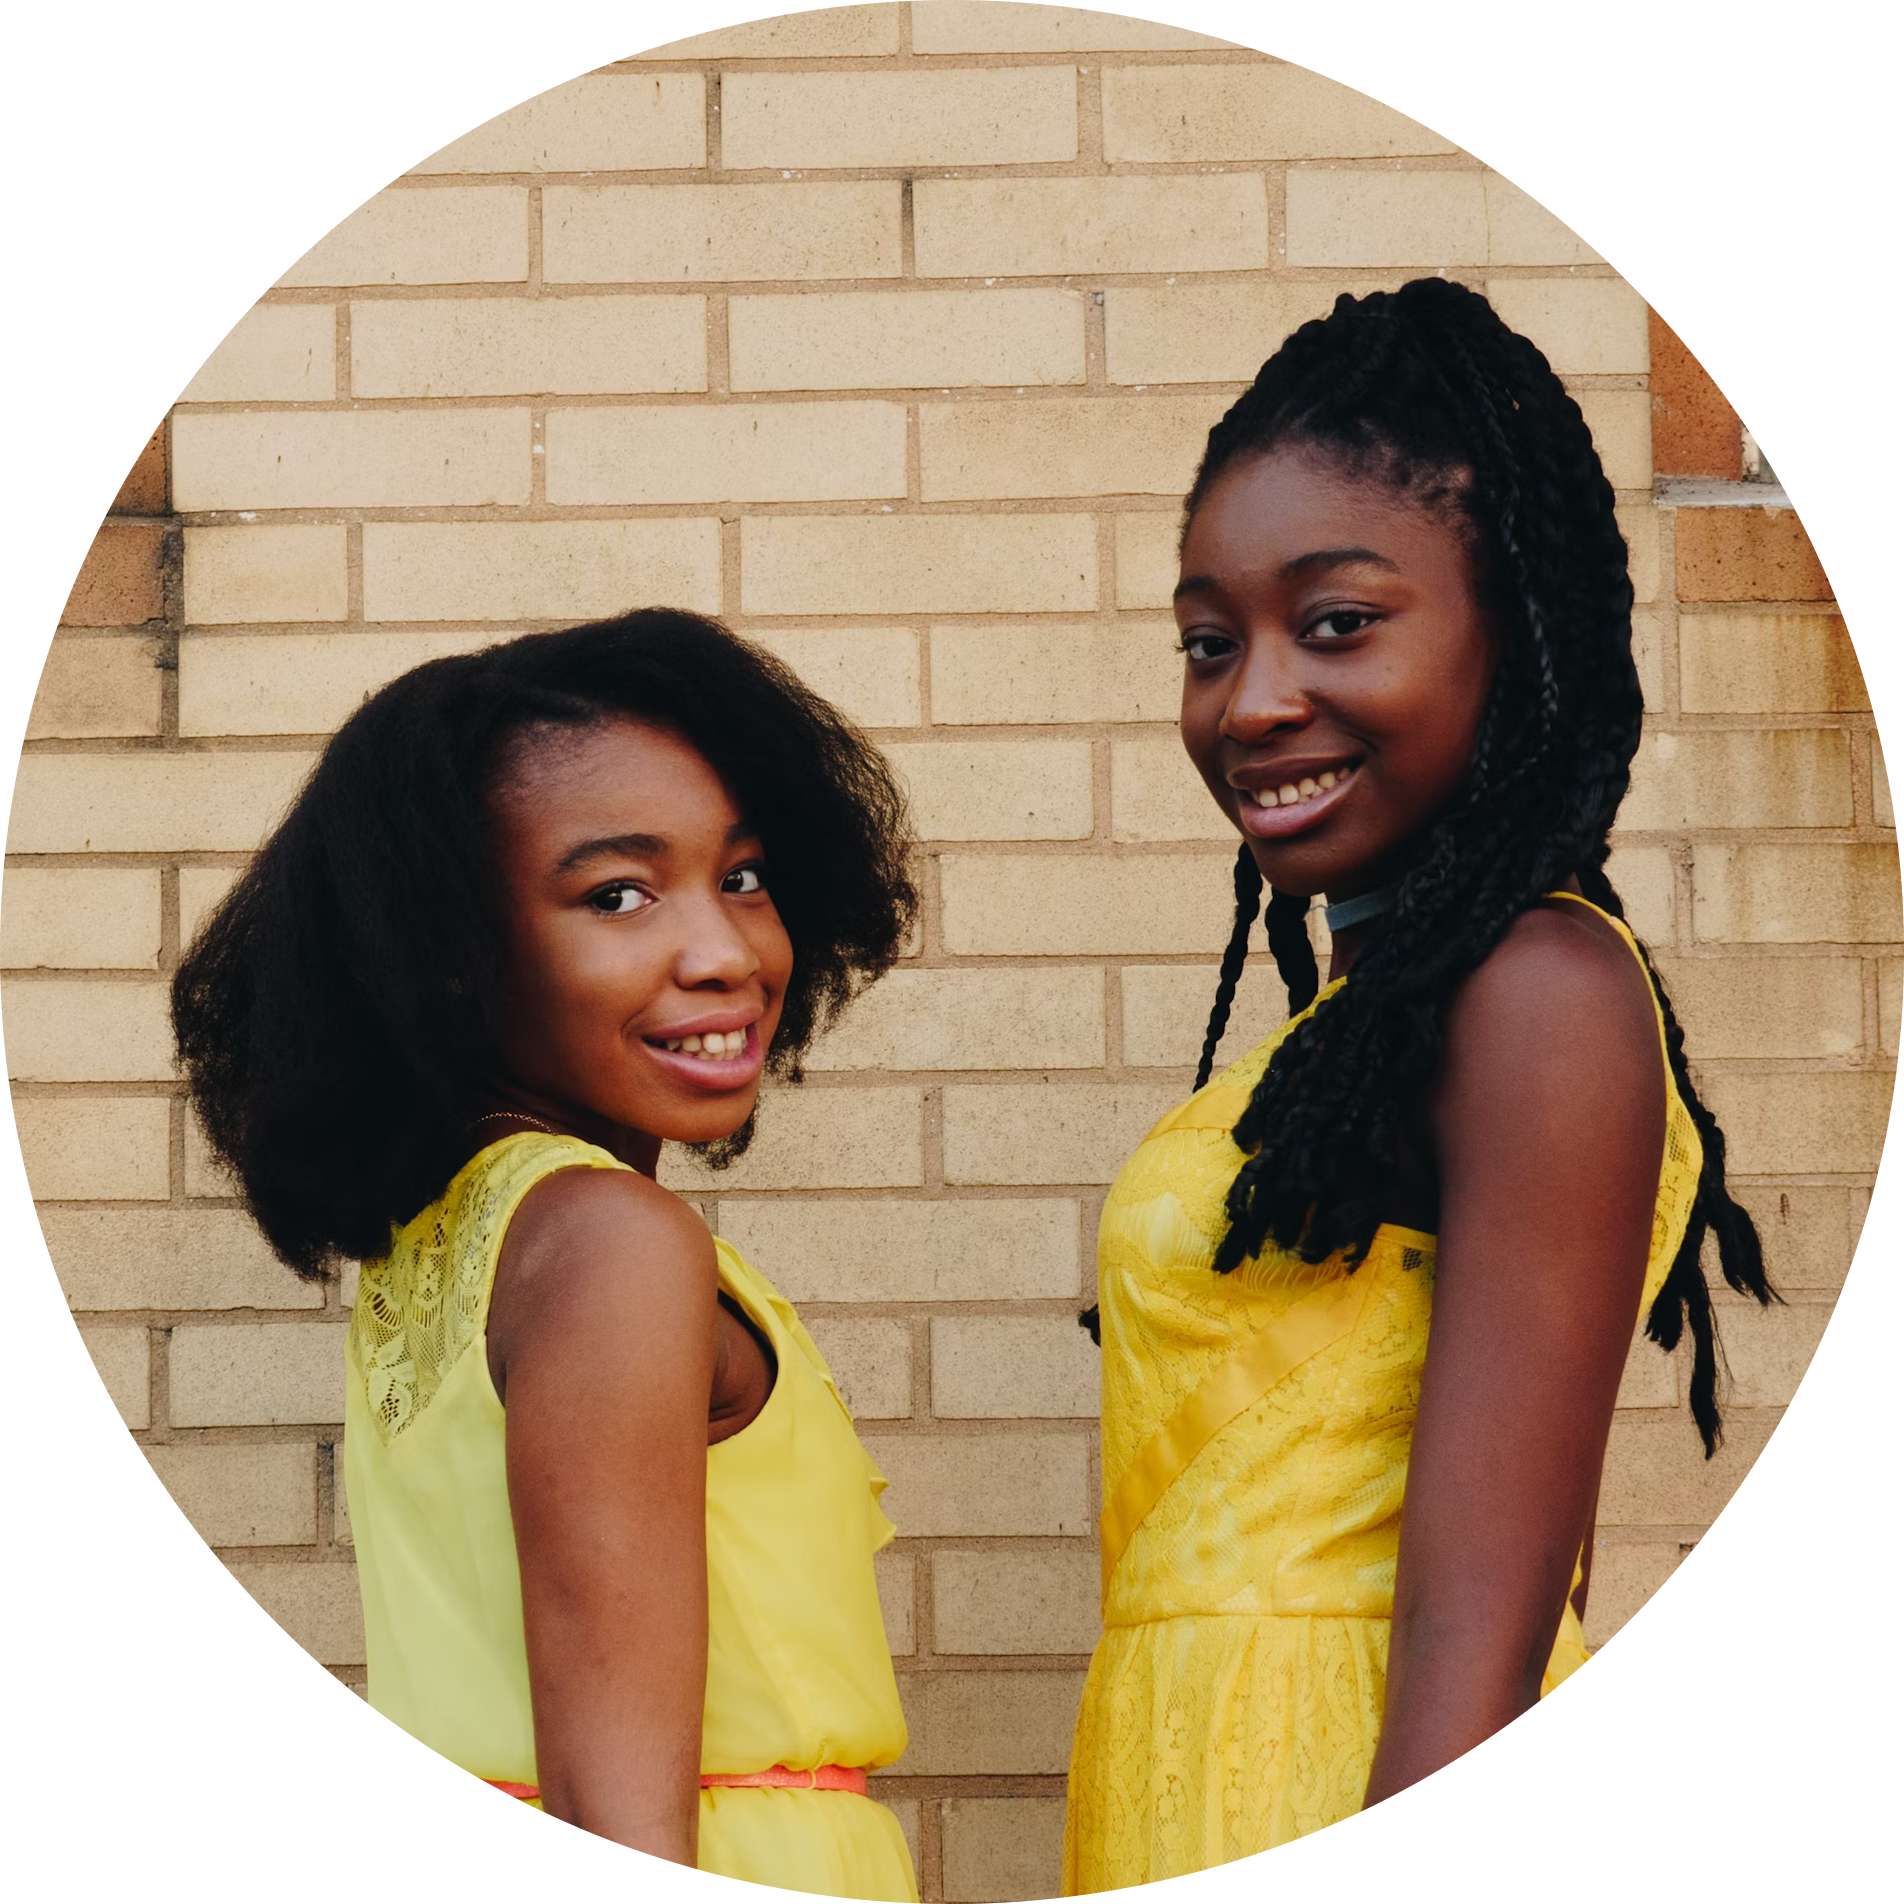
(1266, 510)
(618, 775)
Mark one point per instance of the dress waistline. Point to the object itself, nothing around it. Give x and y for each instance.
(819, 1778)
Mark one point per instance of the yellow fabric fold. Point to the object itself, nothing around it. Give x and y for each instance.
(1304, 1329)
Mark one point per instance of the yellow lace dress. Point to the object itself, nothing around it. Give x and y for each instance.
(798, 1671)
(1256, 1437)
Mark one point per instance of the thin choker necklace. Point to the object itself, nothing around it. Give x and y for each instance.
(1352, 912)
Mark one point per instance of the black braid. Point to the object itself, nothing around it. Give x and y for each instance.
(1288, 923)
(1249, 898)
(1427, 390)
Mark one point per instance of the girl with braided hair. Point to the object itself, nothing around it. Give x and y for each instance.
(1340, 1549)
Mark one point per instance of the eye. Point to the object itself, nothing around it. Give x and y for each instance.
(1205, 644)
(1339, 623)
(616, 901)
(744, 880)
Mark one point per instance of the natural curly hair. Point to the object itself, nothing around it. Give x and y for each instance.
(1428, 390)
(336, 1012)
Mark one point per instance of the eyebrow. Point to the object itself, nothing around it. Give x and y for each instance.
(635, 846)
(1315, 562)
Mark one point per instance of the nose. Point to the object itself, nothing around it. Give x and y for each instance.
(713, 954)
(1267, 693)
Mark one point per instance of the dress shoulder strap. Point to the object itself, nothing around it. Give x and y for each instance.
(420, 1307)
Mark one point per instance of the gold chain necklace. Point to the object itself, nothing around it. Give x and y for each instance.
(517, 1117)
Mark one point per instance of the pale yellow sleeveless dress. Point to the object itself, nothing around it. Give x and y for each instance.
(1234, 1701)
(798, 1671)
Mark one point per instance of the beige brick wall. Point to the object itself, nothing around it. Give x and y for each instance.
(890, 333)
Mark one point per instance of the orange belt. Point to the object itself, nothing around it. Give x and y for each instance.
(822, 1778)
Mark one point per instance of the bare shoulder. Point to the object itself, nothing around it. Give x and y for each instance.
(593, 1253)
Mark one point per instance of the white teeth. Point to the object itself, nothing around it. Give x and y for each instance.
(709, 1044)
(691, 1042)
(1326, 782)
(1288, 796)
(1291, 794)
(1306, 787)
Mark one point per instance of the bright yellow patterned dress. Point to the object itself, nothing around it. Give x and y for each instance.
(1256, 1437)
(798, 1671)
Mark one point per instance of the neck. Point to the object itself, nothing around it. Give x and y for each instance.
(505, 1106)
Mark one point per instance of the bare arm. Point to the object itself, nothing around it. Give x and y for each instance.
(603, 1339)
(1548, 1122)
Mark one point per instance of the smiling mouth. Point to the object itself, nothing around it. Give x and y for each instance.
(1298, 792)
(711, 1045)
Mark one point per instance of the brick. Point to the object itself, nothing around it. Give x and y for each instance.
(1086, 905)
(1385, 218)
(1656, 1473)
(1768, 1008)
(205, 1176)
(1643, 877)
(984, 1484)
(1695, 430)
(971, 1020)
(1768, 1350)
(871, 1360)
(1523, 231)
(143, 491)
(1626, 1574)
(893, 1576)
(1024, 1600)
(96, 687)
(997, 789)
(150, 803)
(200, 889)
(82, 1031)
(1178, 115)
(965, 1723)
(1204, 333)
(982, 26)
(905, 340)
(1650, 1378)
(1584, 326)
(515, 571)
(258, 1374)
(271, 573)
(1740, 777)
(603, 122)
(1639, 524)
(1768, 664)
(458, 234)
(871, 1250)
(1649, 659)
(1768, 892)
(1167, 1010)
(317, 1604)
(295, 684)
(1019, 1367)
(1800, 1123)
(317, 459)
(235, 1496)
(657, 234)
(1890, 983)
(1156, 794)
(502, 347)
(1621, 422)
(870, 674)
(1746, 555)
(80, 917)
(1036, 676)
(1001, 1848)
(864, 1139)
(1807, 1230)
(1147, 567)
(87, 1149)
(122, 581)
(169, 1259)
(1024, 115)
(275, 353)
(732, 452)
(1881, 809)
(896, 565)
(1047, 1132)
(1051, 227)
(1063, 446)
(123, 1359)
(826, 33)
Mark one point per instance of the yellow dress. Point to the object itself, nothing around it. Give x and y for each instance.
(1234, 1700)
(798, 1670)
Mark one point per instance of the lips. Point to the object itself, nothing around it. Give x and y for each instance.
(709, 1056)
(1301, 798)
